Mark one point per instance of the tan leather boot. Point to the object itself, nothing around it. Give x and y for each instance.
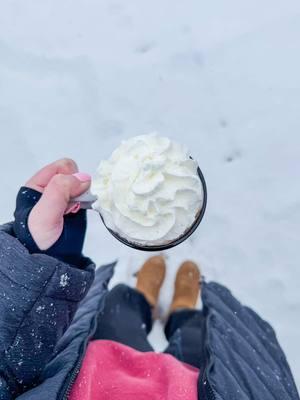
(187, 286)
(150, 278)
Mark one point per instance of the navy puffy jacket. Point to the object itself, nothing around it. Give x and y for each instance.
(42, 342)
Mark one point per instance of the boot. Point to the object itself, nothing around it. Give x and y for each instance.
(187, 286)
(150, 278)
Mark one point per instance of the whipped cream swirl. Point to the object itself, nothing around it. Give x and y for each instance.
(149, 191)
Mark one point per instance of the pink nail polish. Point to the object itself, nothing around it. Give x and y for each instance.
(74, 208)
(83, 177)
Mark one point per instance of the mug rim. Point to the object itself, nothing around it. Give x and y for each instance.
(172, 243)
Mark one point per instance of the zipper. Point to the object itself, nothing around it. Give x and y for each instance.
(210, 393)
(66, 391)
(68, 387)
(206, 391)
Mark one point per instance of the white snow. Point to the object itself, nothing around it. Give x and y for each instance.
(64, 280)
(220, 76)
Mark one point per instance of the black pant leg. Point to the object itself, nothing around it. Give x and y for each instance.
(126, 318)
(185, 333)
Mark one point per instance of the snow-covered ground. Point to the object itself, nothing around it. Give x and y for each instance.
(76, 77)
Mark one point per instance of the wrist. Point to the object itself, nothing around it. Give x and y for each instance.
(43, 235)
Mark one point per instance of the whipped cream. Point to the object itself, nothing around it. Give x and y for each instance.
(148, 191)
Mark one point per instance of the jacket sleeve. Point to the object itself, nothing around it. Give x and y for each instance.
(38, 298)
(245, 359)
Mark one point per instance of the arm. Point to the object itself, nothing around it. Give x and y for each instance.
(39, 291)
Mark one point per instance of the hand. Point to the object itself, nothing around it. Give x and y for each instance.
(58, 185)
(44, 220)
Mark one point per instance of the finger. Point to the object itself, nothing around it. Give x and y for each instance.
(50, 209)
(46, 220)
(41, 179)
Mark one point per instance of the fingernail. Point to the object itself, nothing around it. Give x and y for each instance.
(74, 208)
(83, 177)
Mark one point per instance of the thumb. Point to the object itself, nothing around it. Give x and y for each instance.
(46, 219)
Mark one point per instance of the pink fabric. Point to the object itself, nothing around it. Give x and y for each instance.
(112, 371)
